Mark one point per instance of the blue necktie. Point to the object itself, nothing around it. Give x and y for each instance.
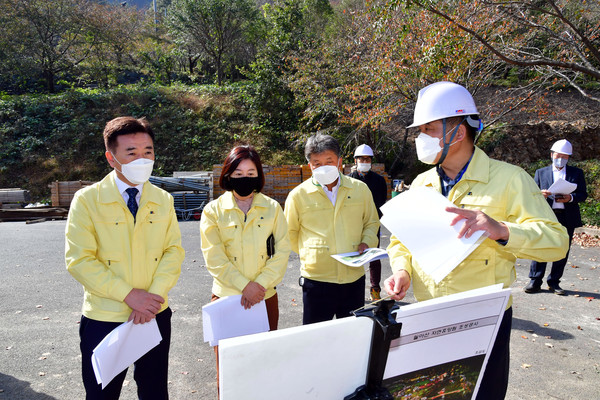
(131, 203)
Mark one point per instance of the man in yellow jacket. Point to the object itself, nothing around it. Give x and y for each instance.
(489, 195)
(123, 245)
(330, 214)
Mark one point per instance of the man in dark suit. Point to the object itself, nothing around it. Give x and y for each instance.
(566, 208)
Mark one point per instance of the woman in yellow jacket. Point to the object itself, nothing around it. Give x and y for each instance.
(244, 235)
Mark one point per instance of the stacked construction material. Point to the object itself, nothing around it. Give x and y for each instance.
(281, 179)
(13, 198)
(62, 192)
(190, 193)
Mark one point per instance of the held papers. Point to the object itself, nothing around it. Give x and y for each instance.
(227, 318)
(419, 220)
(445, 343)
(353, 259)
(122, 347)
(562, 186)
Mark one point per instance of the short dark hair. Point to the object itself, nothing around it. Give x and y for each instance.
(124, 126)
(319, 143)
(234, 158)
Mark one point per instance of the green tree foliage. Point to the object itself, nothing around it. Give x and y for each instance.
(219, 30)
(59, 137)
(118, 30)
(49, 38)
(291, 25)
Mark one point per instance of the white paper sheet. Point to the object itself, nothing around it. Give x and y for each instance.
(353, 259)
(562, 186)
(122, 347)
(227, 318)
(322, 361)
(419, 220)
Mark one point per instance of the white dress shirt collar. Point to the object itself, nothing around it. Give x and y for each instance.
(122, 186)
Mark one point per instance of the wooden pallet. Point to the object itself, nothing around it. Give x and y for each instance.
(62, 192)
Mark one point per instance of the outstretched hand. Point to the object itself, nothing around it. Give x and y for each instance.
(476, 220)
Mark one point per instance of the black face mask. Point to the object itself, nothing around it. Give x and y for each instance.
(244, 186)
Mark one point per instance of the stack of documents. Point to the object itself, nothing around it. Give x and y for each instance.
(122, 347)
(227, 318)
(562, 186)
(418, 218)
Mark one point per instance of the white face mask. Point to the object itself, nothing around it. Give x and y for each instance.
(559, 162)
(427, 148)
(326, 174)
(363, 167)
(138, 171)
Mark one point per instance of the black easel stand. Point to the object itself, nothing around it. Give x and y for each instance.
(385, 330)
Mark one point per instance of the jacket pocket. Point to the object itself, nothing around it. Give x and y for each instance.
(478, 270)
(113, 261)
(228, 232)
(313, 252)
(493, 207)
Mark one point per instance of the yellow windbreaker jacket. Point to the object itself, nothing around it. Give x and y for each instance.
(234, 245)
(319, 229)
(110, 255)
(508, 194)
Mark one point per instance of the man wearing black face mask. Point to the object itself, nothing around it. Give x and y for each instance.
(566, 208)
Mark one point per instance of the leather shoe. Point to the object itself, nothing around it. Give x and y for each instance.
(556, 289)
(532, 287)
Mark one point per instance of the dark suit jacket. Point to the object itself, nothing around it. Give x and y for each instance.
(543, 178)
(377, 186)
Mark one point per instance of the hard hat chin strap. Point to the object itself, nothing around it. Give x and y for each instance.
(447, 145)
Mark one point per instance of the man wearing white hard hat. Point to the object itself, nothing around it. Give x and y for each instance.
(489, 195)
(363, 158)
(566, 208)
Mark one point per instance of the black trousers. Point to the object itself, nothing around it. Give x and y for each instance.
(150, 371)
(324, 300)
(495, 377)
(538, 269)
(375, 268)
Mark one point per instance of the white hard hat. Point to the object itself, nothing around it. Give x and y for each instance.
(443, 100)
(562, 146)
(363, 150)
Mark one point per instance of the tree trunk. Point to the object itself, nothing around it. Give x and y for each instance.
(192, 64)
(219, 70)
(49, 78)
